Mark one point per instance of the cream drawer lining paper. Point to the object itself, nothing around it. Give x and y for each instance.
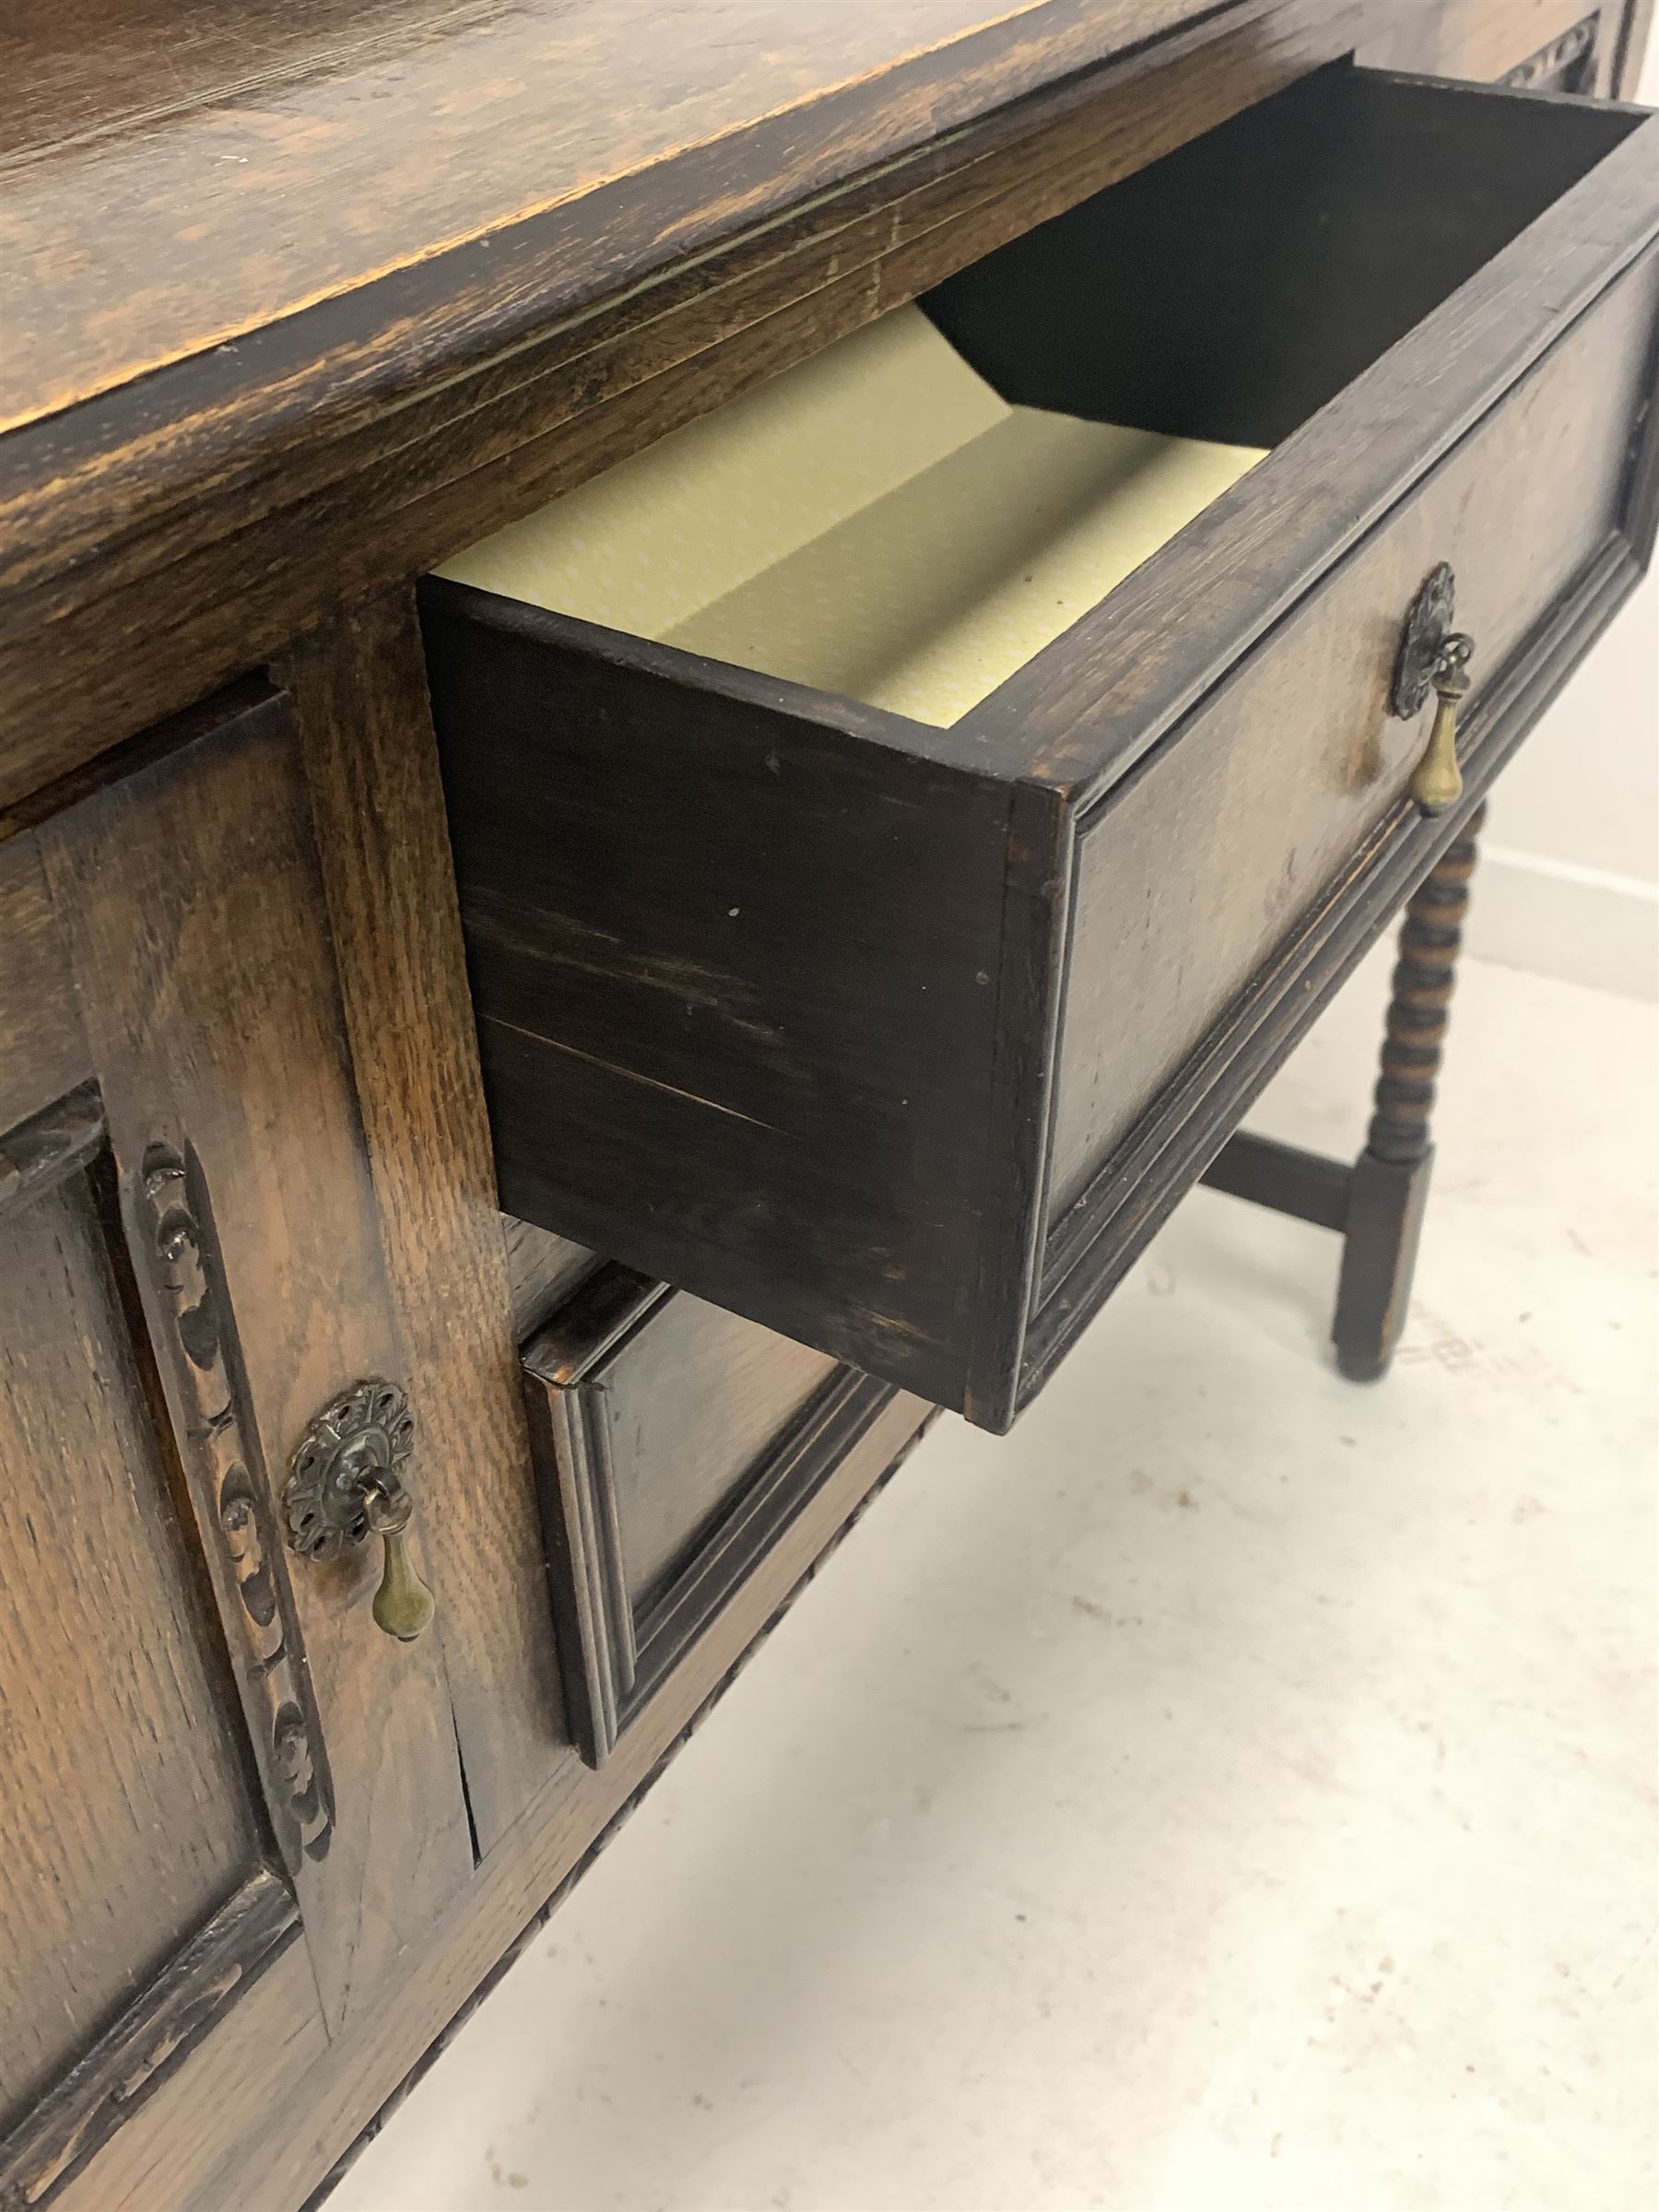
(875, 522)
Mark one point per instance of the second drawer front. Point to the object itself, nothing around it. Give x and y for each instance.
(674, 1445)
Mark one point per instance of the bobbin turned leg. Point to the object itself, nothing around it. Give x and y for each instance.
(1389, 1184)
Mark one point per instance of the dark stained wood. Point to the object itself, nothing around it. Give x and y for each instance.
(674, 1445)
(359, 690)
(42, 1053)
(189, 523)
(1270, 261)
(1136, 1190)
(180, 1264)
(542, 1271)
(769, 982)
(1391, 1177)
(190, 2000)
(378, 437)
(274, 2165)
(624, 1006)
(1200, 861)
(44, 1149)
(136, 1913)
(1378, 1206)
(191, 897)
(395, 133)
(125, 1822)
(1221, 586)
(601, 1843)
(1284, 1178)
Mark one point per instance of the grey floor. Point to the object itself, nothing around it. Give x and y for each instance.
(1234, 1790)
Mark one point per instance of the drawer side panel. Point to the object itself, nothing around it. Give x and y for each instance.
(736, 972)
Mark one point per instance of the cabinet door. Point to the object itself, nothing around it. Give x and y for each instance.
(214, 1759)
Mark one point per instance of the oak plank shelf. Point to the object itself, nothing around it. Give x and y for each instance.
(545, 1025)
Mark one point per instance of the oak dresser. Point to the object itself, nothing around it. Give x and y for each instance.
(693, 693)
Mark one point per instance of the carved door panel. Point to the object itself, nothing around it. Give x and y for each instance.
(213, 1758)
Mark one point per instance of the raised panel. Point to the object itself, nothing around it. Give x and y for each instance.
(675, 1445)
(691, 1406)
(189, 898)
(126, 1819)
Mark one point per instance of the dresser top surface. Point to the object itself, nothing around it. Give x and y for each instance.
(173, 177)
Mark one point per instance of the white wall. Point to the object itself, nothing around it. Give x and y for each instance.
(1569, 877)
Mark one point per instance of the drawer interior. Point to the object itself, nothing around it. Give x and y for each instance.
(1238, 285)
(909, 517)
(878, 522)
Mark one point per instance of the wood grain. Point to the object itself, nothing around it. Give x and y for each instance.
(192, 899)
(377, 804)
(673, 1441)
(42, 1053)
(624, 1007)
(207, 524)
(691, 1402)
(218, 2089)
(276, 2164)
(177, 529)
(542, 1271)
(1198, 864)
(396, 138)
(1138, 1187)
(768, 982)
(256, 2117)
(125, 1819)
(189, 2002)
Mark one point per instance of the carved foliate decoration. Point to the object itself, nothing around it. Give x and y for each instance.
(221, 1460)
(1566, 64)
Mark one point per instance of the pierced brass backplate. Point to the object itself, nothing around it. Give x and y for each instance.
(1427, 623)
(344, 1485)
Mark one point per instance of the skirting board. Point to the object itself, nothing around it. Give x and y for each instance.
(1584, 925)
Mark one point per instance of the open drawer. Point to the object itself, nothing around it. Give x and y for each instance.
(901, 846)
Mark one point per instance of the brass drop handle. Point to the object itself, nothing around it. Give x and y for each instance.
(343, 1486)
(1437, 780)
(1433, 657)
(403, 1604)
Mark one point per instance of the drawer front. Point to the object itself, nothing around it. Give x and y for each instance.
(674, 1445)
(900, 1039)
(1196, 866)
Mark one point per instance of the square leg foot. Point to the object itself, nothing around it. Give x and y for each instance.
(1386, 1201)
